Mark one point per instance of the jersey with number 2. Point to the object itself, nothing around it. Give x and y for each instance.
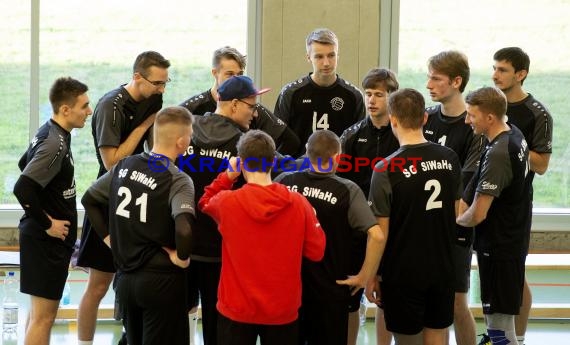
(420, 202)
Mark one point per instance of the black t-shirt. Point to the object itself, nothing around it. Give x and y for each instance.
(265, 120)
(116, 115)
(504, 174)
(421, 206)
(200, 104)
(453, 132)
(341, 210)
(143, 203)
(306, 107)
(363, 140)
(535, 123)
(48, 161)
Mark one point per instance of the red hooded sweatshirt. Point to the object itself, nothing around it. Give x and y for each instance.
(266, 230)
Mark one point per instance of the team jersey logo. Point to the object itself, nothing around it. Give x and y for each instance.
(337, 103)
(488, 186)
(70, 192)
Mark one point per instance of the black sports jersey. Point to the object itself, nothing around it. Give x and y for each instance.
(214, 140)
(504, 174)
(341, 209)
(116, 115)
(454, 133)
(535, 123)
(143, 203)
(265, 120)
(306, 107)
(48, 161)
(200, 104)
(363, 140)
(421, 206)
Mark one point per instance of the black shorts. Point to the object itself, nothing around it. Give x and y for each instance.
(203, 279)
(93, 252)
(154, 307)
(358, 253)
(323, 321)
(408, 309)
(462, 256)
(354, 302)
(44, 265)
(239, 333)
(501, 284)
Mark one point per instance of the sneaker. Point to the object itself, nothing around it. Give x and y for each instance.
(123, 340)
(485, 340)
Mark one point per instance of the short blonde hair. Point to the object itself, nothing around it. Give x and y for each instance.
(323, 36)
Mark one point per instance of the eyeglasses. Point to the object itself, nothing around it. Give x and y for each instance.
(251, 106)
(157, 83)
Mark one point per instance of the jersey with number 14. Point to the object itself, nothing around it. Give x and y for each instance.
(420, 203)
(307, 107)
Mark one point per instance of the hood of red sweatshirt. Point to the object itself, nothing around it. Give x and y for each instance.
(268, 201)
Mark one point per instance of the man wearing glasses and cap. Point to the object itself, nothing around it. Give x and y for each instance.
(120, 126)
(214, 140)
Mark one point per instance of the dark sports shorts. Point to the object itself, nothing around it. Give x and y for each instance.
(354, 303)
(93, 252)
(358, 253)
(501, 284)
(462, 256)
(239, 333)
(323, 321)
(44, 265)
(154, 306)
(205, 277)
(408, 309)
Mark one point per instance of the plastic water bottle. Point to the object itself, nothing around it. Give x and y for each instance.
(10, 304)
(362, 311)
(66, 294)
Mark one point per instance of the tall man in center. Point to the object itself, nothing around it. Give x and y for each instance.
(321, 99)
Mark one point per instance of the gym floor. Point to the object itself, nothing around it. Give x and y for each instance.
(548, 286)
(109, 332)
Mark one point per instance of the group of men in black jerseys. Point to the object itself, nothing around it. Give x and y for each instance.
(468, 187)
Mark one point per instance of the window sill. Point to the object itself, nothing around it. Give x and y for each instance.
(544, 219)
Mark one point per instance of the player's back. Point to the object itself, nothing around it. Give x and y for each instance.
(422, 183)
(330, 196)
(142, 222)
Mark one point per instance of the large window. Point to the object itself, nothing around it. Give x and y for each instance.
(97, 42)
(14, 91)
(479, 28)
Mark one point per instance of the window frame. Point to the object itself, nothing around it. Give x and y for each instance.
(544, 219)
